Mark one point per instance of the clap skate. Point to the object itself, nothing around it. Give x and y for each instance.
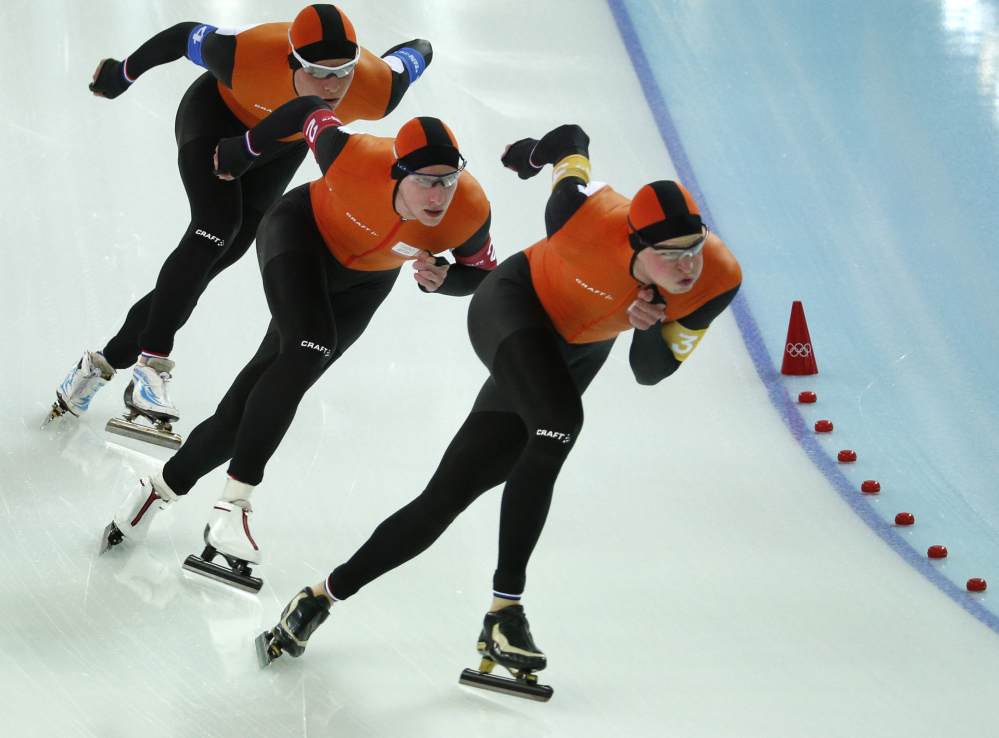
(136, 513)
(506, 640)
(146, 396)
(87, 376)
(300, 618)
(228, 535)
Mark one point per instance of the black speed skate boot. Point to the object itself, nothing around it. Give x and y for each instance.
(506, 640)
(300, 618)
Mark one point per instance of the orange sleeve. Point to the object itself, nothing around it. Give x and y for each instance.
(369, 93)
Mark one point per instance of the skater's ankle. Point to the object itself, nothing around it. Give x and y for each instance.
(237, 492)
(320, 591)
(500, 602)
(146, 357)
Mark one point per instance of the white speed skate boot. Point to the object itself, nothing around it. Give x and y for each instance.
(146, 396)
(136, 513)
(87, 376)
(228, 535)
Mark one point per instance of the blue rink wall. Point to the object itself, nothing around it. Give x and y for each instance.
(847, 154)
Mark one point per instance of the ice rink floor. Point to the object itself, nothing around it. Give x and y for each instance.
(698, 575)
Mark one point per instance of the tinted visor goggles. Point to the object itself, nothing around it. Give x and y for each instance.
(319, 71)
(675, 254)
(426, 181)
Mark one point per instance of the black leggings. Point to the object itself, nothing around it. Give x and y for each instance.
(224, 220)
(319, 308)
(522, 427)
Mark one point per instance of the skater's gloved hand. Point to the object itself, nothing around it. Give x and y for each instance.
(233, 157)
(643, 313)
(430, 273)
(109, 79)
(517, 156)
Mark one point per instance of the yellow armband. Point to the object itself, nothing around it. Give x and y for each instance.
(571, 166)
(681, 341)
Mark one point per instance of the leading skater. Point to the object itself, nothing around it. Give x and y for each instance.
(329, 254)
(543, 323)
(251, 71)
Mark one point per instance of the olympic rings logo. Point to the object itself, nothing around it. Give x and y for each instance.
(799, 349)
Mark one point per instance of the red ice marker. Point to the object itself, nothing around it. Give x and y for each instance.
(976, 585)
(798, 355)
(937, 552)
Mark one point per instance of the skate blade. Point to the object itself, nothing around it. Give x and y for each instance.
(122, 427)
(222, 574)
(506, 685)
(265, 652)
(57, 411)
(106, 544)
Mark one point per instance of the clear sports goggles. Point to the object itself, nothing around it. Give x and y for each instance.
(675, 254)
(426, 181)
(319, 71)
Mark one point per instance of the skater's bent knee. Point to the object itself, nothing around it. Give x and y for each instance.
(563, 422)
(213, 233)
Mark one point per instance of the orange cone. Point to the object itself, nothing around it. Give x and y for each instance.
(799, 358)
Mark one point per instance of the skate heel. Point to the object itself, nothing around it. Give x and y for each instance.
(111, 538)
(267, 649)
(239, 573)
(57, 411)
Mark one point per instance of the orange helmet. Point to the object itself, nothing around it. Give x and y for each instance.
(660, 211)
(322, 32)
(423, 142)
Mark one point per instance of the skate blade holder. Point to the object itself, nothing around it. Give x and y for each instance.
(267, 649)
(525, 684)
(161, 434)
(57, 411)
(111, 538)
(238, 574)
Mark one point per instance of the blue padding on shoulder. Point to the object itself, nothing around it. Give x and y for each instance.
(413, 61)
(194, 42)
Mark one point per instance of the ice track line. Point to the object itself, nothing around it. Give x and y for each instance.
(753, 339)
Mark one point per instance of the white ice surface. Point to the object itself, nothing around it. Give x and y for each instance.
(697, 577)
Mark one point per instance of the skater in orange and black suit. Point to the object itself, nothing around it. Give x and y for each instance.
(251, 71)
(543, 323)
(329, 253)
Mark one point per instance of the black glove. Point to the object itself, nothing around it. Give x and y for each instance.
(110, 80)
(233, 156)
(518, 158)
